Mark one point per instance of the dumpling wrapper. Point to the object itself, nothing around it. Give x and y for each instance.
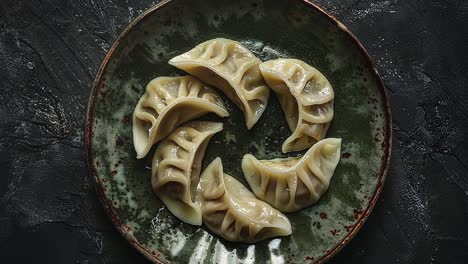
(306, 97)
(167, 103)
(176, 168)
(233, 212)
(231, 67)
(290, 184)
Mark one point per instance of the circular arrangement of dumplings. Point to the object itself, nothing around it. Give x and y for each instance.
(165, 114)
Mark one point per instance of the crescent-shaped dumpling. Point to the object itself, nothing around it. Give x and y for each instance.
(290, 184)
(231, 67)
(306, 97)
(167, 103)
(233, 212)
(176, 168)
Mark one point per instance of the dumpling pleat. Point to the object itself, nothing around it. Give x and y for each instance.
(318, 113)
(229, 223)
(265, 180)
(216, 193)
(184, 90)
(306, 179)
(292, 186)
(243, 66)
(174, 163)
(282, 192)
(215, 53)
(255, 93)
(145, 116)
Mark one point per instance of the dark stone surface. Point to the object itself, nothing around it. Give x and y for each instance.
(50, 52)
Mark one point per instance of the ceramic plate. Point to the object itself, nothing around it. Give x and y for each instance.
(271, 29)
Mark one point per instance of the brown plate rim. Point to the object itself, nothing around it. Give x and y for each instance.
(89, 131)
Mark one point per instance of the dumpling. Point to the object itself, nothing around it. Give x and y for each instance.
(231, 67)
(167, 103)
(290, 184)
(176, 168)
(306, 97)
(233, 212)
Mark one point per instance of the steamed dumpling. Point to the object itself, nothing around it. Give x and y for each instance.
(231, 67)
(176, 168)
(167, 103)
(306, 97)
(290, 184)
(233, 212)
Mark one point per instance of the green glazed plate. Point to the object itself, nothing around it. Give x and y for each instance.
(271, 29)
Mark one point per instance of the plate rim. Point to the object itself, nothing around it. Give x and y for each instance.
(96, 86)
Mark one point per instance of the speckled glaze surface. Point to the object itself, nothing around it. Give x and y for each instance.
(271, 29)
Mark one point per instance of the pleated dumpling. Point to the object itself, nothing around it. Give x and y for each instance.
(167, 103)
(176, 168)
(290, 184)
(233, 212)
(306, 97)
(231, 67)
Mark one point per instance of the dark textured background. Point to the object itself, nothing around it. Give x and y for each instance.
(50, 52)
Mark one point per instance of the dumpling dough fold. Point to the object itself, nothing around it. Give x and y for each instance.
(233, 212)
(306, 97)
(176, 168)
(167, 103)
(231, 67)
(290, 184)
